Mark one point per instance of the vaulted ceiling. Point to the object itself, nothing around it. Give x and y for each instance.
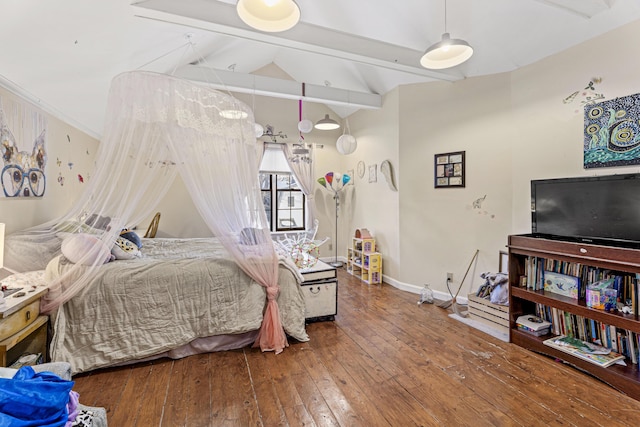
(348, 54)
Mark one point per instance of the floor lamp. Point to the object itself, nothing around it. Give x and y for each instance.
(335, 182)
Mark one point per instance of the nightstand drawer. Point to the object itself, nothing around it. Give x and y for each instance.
(30, 340)
(19, 320)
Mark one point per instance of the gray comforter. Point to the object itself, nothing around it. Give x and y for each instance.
(181, 290)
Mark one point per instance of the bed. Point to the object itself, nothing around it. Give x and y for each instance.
(183, 296)
(180, 292)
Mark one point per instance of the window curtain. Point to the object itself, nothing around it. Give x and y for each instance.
(303, 172)
(157, 126)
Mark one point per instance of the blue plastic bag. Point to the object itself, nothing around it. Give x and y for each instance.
(31, 399)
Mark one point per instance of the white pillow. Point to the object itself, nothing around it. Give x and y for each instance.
(85, 249)
(125, 249)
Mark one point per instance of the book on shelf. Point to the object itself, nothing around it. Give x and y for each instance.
(593, 353)
(561, 284)
(619, 340)
(532, 322)
(576, 280)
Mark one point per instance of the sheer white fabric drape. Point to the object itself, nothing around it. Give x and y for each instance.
(156, 127)
(303, 172)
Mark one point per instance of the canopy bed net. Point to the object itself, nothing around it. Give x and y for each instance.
(156, 127)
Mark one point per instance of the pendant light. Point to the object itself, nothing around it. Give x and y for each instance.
(327, 123)
(304, 125)
(446, 53)
(346, 143)
(269, 15)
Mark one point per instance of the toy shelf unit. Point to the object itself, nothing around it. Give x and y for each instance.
(535, 263)
(363, 260)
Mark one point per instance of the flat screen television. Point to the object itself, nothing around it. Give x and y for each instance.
(596, 209)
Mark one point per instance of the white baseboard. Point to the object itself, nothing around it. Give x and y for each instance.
(416, 289)
(407, 287)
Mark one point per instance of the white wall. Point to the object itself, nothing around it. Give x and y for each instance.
(64, 144)
(514, 127)
(374, 205)
(550, 132)
(440, 228)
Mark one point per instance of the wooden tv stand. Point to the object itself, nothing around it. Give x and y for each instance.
(523, 301)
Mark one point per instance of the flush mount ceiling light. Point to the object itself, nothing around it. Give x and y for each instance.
(233, 114)
(327, 123)
(269, 15)
(446, 53)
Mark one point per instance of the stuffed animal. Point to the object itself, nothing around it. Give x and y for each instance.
(131, 236)
(125, 249)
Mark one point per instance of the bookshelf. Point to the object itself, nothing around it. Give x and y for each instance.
(363, 261)
(523, 300)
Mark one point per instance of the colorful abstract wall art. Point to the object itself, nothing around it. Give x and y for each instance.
(612, 133)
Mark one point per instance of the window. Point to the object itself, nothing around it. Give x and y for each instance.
(288, 211)
(284, 201)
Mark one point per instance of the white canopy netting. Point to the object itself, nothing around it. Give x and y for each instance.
(156, 127)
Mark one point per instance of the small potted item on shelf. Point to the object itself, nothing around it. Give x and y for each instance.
(533, 325)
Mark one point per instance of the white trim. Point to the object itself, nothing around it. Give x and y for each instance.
(277, 88)
(407, 287)
(416, 289)
(21, 92)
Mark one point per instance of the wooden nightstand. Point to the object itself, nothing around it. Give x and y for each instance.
(22, 328)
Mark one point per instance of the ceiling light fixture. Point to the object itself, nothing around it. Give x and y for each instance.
(233, 114)
(446, 53)
(327, 123)
(346, 143)
(304, 126)
(269, 15)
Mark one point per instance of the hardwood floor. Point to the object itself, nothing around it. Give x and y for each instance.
(384, 361)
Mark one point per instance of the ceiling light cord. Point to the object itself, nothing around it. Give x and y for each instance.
(445, 16)
(447, 52)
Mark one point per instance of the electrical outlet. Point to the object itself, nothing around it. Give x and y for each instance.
(449, 277)
(330, 246)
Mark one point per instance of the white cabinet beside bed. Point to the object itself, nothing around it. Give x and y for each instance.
(320, 290)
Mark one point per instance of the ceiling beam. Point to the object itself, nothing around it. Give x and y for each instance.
(277, 88)
(222, 18)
